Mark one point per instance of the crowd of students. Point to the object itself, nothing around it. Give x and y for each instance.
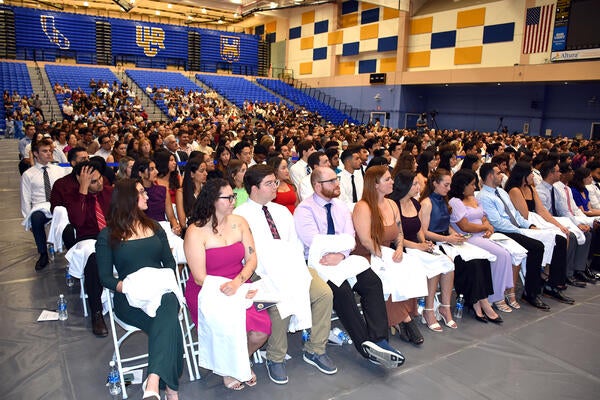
(389, 214)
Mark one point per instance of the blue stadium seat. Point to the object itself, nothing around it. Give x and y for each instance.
(13, 76)
(238, 89)
(310, 103)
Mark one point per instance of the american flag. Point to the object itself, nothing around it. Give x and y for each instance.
(537, 29)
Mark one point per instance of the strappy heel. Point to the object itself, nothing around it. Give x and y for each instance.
(511, 300)
(436, 327)
(450, 323)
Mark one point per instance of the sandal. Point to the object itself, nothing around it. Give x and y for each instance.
(511, 300)
(502, 306)
(436, 327)
(234, 384)
(149, 394)
(252, 381)
(450, 323)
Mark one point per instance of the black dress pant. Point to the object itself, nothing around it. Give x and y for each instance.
(558, 265)
(374, 325)
(93, 287)
(535, 254)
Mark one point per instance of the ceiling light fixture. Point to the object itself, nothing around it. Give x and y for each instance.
(169, 5)
(157, 12)
(220, 21)
(85, 3)
(203, 11)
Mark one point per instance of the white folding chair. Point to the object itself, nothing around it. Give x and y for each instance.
(187, 326)
(127, 364)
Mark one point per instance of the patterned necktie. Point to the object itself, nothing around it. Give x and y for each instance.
(568, 200)
(354, 195)
(330, 225)
(308, 170)
(271, 223)
(513, 220)
(47, 187)
(99, 215)
(553, 200)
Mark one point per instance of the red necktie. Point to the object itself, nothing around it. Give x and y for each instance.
(99, 215)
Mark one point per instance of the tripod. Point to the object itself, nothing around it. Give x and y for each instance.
(499, 129)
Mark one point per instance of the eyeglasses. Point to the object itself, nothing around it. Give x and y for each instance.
(333, 180)
(274, 183)
(231, 198)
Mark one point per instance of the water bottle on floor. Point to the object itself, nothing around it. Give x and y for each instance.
(305, 335)
(62, 308)
(113, 381)
(338, 336)
(460, 304)
(51, 252)
(69, 279)
(420, 305)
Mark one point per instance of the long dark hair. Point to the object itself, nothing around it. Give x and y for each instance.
(580, 174)
(233, 168)
(402, 184)
(518, 175)
(460, 180)
(204, 207)
(436, 176)
(124, 212)
(162, 158)
(188, 183)
(423, 162)
(275, 162)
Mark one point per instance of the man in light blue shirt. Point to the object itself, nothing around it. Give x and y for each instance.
(505, 218)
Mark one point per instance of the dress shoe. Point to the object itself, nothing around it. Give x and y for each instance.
(557, 295)
(591, 275)
(536, 301)
(98, 325)
(482, 318)
(575, 282)
(582, 277)
(497, 320)
(42, 262)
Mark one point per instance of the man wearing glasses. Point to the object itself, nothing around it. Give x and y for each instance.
(106, 145)
(324, 214)
(261, 214)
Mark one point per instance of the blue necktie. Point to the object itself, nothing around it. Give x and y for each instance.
(330, 225)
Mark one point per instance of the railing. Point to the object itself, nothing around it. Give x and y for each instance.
(359, 115)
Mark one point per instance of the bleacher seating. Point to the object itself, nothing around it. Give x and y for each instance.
(170, 80)
(77, 77)
(237, 89)
(13, 77)
(310, 103)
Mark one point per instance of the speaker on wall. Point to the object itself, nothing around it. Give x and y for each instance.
(377, 78)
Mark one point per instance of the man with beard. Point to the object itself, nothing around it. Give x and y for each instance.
(323, 213)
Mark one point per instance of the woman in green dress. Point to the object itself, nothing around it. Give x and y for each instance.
(132, 241)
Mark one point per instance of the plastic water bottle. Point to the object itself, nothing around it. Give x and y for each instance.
(420, 305)
(114, 381)
(338, 336)
(305, 335)
(68, 278)
(460, 304)
(62, 308)
(51, 252)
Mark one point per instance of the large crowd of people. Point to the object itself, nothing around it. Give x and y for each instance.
(272, 205)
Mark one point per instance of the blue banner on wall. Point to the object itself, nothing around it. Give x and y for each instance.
(42, 29)
(228, 47)
(148, 39)
(559, 38)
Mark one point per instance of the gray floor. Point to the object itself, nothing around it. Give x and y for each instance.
(533, 355)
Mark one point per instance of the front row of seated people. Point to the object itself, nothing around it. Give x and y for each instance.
(386, 221)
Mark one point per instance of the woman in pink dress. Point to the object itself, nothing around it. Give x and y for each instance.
(216, 243)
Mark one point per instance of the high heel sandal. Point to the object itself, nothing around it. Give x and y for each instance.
(436, 327)
(149, 394)
(502, 306)
(511, 300)
(450, 323)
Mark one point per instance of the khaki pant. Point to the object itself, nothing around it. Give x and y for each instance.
(321, 302)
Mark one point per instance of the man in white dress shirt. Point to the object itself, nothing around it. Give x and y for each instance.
(556, 204)
(316, 159)
(351, 178)
(300, 169)
(269, 220)
(36, 186)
